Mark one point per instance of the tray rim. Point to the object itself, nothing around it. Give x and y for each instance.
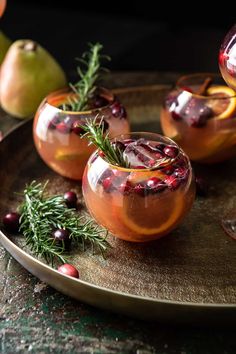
(23, 257)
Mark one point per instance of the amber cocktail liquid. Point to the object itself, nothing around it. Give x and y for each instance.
(147, 200)
(57, 133)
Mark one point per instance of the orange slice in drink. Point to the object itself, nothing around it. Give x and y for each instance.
(138, 176)
(64, 155)
(150, 216)
(225, 106)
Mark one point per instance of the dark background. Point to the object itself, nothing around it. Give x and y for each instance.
(138, 35)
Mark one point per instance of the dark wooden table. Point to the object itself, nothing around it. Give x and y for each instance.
(35, 318)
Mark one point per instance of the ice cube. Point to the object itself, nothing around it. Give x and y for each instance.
(142, 153)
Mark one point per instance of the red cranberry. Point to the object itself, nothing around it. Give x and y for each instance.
(77, 128)
(63, 128)
(201, 186)
(172, 182)
(69, 270)
(70, 199)
(139, 189)
(151, 163)
(99, 102)
(53, 123)
(101, 154)
(168, 170)
(153, 182)
(181, 172)
(176, 116)
(125, 187)
(171, 151)
(11, 221)
(107, 183)
(62, 235)
(158, 155)
(118, 110)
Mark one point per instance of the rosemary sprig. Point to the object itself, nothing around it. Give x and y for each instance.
(86, 86)
(95, 134)
(41, 214)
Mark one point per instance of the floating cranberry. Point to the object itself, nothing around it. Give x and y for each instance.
(181, 172)
(53, 123)
(63, 128)
(107, 183)
(125, 187)
(77, 128)
(70, 199)
(62, 236)
(172, 182)
(153, 182)
(175, 115)
(68, 269)
(201, 186)
(171, 151)
(140, 189)
(168, 170)
(11, 221)
(99, 102)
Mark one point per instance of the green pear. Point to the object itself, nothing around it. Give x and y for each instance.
(4, 45)
(28, 74)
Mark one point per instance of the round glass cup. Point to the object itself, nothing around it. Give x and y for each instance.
(203, 125)
(57, 132)
(138, 204)
(227, 58)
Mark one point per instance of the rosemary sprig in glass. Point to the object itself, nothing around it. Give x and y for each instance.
(86, 86)
(41, 214)
(95, 134)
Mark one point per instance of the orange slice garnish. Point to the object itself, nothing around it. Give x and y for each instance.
(148, 216)
(225, 106)
(63, 155)
(138, 176)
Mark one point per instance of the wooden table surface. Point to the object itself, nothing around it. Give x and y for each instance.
(37, 319)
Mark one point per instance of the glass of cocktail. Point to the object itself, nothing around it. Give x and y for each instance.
(149, 198)
(200, 115)
(57, 131)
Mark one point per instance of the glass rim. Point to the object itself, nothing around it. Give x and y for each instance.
(128, 169)
(63, 91)
(203, 75)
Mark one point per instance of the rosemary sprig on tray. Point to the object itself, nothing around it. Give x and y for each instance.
(86, 86)
(41, 214)
(95, 134)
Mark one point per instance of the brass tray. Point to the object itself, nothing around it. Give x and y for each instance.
(188, 276)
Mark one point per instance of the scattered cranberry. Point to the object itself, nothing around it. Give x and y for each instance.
(11, 221)
(69, 270)
(118, 110)
(62, 235)
(201, 186)
(107, 183)
(171, 151)
(77, 128)
(70, 199)
(63, 128)
(172, 182)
